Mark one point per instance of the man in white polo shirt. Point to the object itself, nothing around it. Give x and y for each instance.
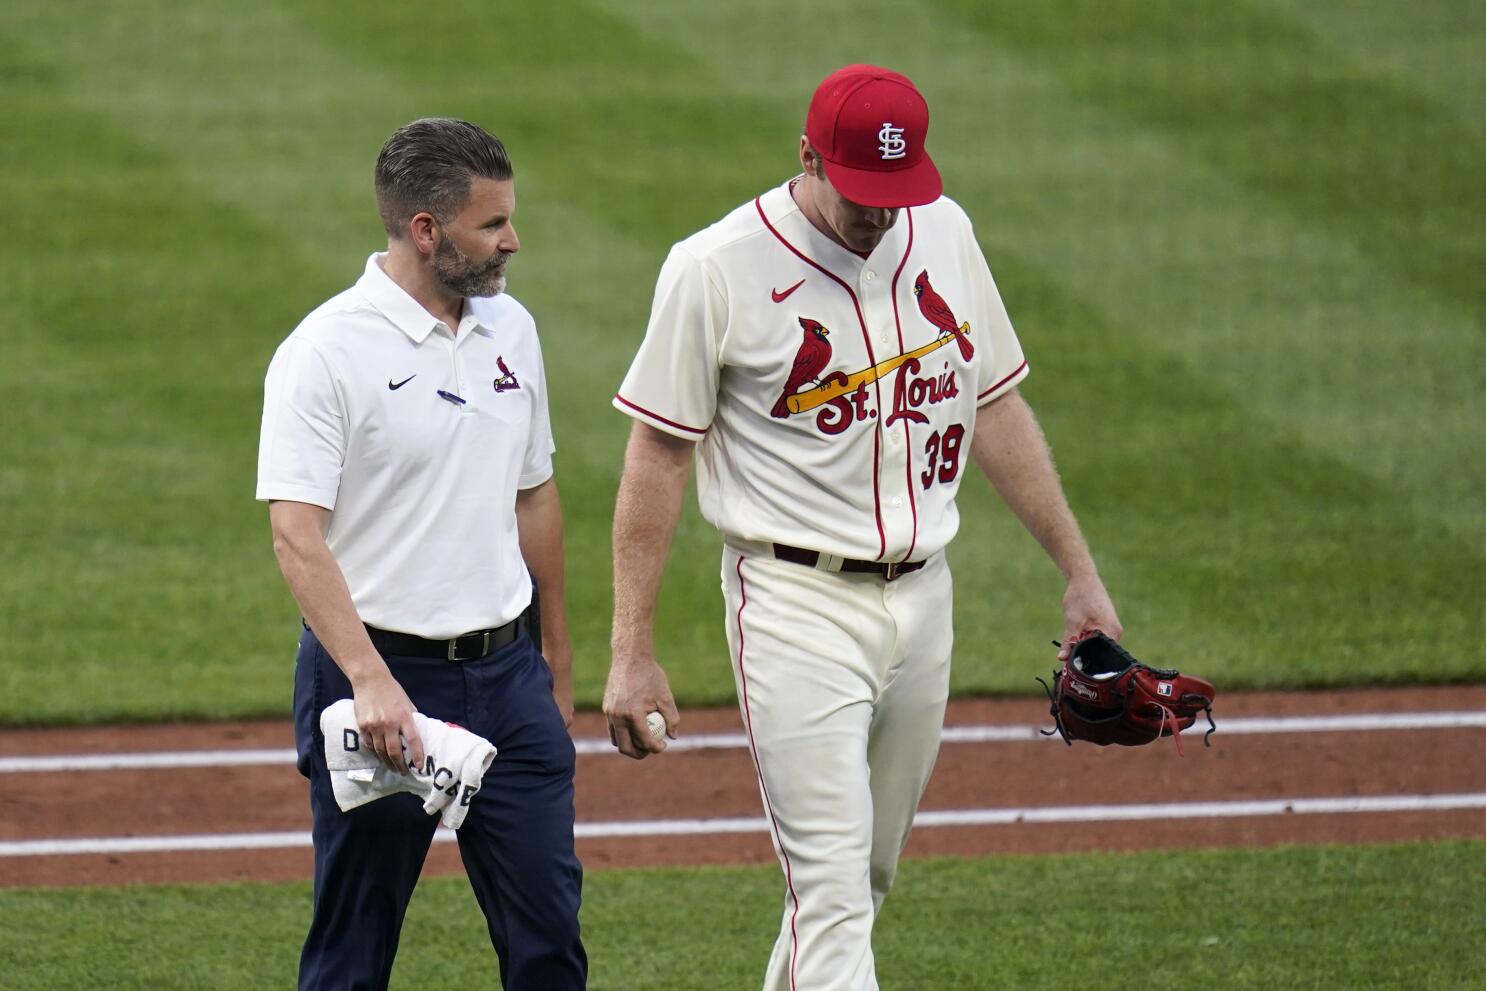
(406, 457)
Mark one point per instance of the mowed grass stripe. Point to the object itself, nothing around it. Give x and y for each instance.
(1429, 47)
(1260, 96)
(1383, 917)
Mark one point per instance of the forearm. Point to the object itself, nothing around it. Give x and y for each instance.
(384, 712)
(539, 527)
(318, 586)
(1011, 450)
(656, 467)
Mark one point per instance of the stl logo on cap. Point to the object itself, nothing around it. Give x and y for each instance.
(870, 126)
(891, 141)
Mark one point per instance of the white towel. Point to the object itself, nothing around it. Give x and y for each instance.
(455, 760)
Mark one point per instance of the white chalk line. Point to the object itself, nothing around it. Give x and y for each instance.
(647, 828)
(1358, 722)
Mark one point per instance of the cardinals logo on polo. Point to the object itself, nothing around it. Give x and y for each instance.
(810, 361)
(506, 380)
(938, 313)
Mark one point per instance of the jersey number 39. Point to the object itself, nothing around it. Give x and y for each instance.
(943, 451)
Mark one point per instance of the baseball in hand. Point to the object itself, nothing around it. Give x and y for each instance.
(656, 723)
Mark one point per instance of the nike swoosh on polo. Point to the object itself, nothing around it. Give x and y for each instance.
(404, 382)
(780, 297)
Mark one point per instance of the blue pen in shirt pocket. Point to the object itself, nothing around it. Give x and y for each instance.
(451, 397)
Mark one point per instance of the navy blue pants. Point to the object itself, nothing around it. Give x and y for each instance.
(516, 842)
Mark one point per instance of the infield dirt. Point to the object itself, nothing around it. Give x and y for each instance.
(720, 783)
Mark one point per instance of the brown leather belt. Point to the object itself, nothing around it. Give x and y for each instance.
(887, 570)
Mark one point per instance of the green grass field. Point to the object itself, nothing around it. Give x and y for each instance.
(1242, 242)
(1360, 919)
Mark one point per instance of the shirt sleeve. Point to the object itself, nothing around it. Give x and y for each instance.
(1008, 366)
(536, 462)
(302, 445)
(672, 383)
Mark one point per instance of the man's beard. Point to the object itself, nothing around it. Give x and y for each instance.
(463, 276)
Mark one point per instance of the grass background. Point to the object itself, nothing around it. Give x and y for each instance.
(1359, 918)
(1243, 244)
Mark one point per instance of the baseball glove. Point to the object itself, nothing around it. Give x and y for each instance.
(1103, 695)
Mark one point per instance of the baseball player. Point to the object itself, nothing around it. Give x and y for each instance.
(832, 354)
(406, 457)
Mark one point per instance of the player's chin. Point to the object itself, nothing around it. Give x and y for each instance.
(492, 285)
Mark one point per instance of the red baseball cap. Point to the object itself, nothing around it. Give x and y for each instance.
(870, 123)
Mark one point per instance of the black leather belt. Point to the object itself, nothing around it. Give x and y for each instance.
(467, 647)
(888, 570)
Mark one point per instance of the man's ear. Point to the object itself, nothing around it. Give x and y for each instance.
(809, 159)
(424, 232)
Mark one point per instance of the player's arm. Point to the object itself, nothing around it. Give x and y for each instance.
(539, 529)
(1010, 448)
(656, 467)
(383, 709)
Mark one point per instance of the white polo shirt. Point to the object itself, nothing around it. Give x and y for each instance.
(362, 415)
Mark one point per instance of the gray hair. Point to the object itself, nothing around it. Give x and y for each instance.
(428, 166)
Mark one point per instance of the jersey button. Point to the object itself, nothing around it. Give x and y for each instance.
(871, 275)
(897, 502)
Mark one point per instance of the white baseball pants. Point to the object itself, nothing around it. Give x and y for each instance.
(842, 681)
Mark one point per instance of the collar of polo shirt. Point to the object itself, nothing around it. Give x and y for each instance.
(405, 312)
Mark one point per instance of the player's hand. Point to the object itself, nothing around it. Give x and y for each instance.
(384, 715)
(637, 687)
(1087, 606)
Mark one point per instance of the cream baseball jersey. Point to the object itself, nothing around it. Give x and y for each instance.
(833, 396)
(416, 439)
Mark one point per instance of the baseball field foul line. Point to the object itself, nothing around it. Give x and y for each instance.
(1357, 722)
(700, 827)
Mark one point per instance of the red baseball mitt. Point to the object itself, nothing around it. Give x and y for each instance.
(1103, 695)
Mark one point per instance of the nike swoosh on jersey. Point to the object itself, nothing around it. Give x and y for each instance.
(780, 297)
(404, 382)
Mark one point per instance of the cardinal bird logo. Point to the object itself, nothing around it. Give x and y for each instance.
(507, 379)
(810, 361)
(938, 313)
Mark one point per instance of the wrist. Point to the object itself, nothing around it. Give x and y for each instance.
(631, 642)
(366, 672)
(1078, 569)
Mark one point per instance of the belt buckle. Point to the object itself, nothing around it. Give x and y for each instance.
(453, 652)
(890, 571)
